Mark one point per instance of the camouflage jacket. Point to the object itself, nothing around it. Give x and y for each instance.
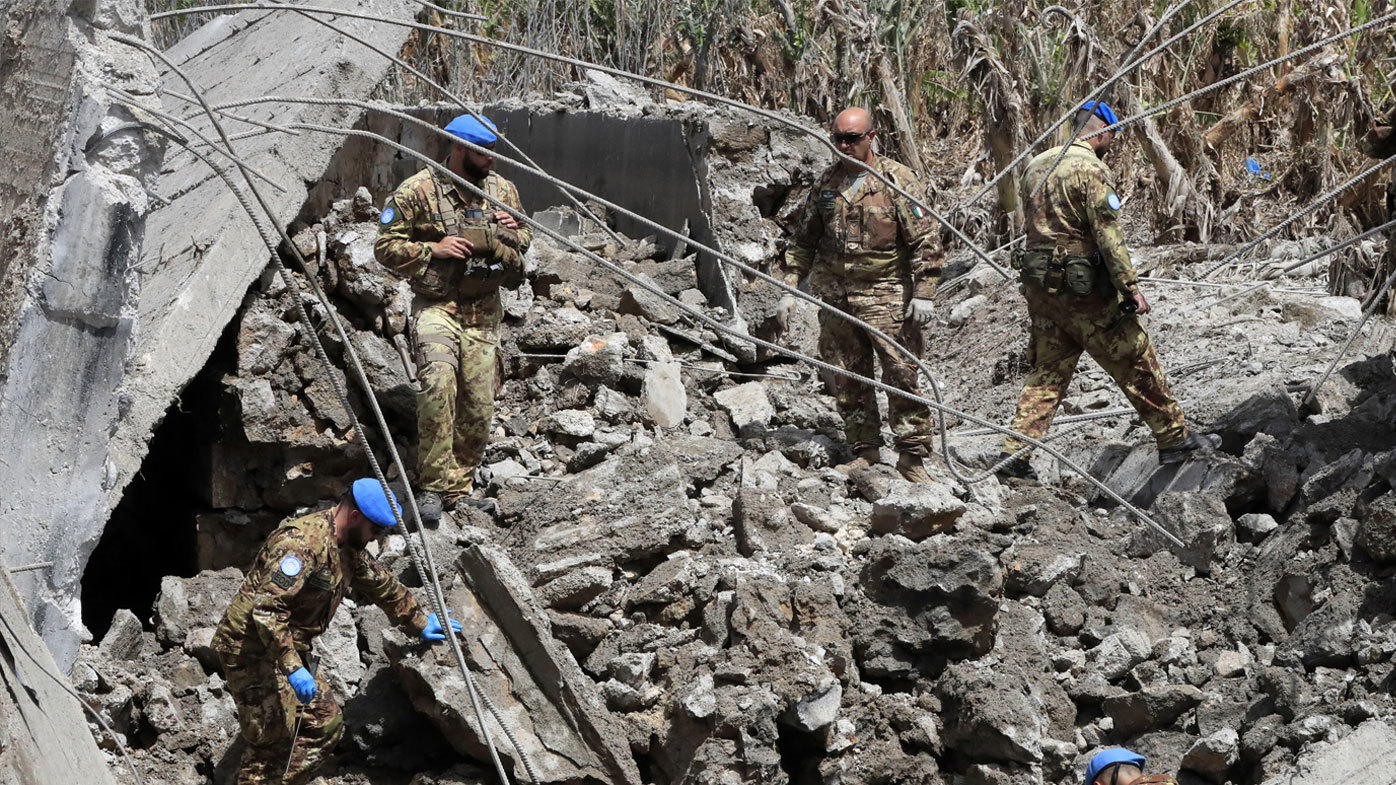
(1078, 209)
(854, 229)
(423, 209)
(295, 586)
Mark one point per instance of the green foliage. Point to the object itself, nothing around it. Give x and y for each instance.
(940, 86)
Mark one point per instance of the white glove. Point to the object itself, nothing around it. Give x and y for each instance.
(920, 311)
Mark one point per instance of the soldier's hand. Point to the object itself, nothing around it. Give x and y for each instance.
(303, 684)
(1141, 306)
(506, 220)
(920, 311)
(451, 248)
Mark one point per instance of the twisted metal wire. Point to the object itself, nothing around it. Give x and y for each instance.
(726, 330)
(422, 562)
(532, 52)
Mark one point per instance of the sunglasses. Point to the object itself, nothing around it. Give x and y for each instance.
(848, 138)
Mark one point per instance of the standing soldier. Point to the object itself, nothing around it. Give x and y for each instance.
(871, 253)
(290, 595)
(1082, 293)
(457, 250)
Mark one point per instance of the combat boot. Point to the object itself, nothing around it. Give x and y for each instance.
(1192, 445)
(1018, 467)
(868, 456)
(910, 467)
(429, 505)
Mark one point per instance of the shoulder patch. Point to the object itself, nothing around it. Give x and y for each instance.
(290, 566)
(1113, 201)
(389, 213)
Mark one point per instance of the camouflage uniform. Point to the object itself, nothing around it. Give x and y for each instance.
(868, 251)
(289, 596)
(456, 314)
(1075, 217)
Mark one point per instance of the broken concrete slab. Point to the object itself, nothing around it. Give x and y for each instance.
(45, 729)
(1362, 756)
(138, 296)
(553, 708)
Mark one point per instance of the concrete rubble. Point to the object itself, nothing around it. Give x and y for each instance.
(687, 582)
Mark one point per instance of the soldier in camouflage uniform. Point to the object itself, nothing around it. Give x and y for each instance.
(456, 249)
(291, 592)
(871, 253)
(1076, 276)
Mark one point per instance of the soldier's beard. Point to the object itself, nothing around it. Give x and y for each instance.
(474, 173)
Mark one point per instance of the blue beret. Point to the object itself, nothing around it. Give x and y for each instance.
(471, 130)
(368, 495)
(1107, 758)
(1099, 109)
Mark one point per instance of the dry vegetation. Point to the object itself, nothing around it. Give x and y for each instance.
(960, 86)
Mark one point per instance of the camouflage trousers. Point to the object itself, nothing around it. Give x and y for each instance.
(267, 718)
(456, 350)
(1063, 326)
(852, 348)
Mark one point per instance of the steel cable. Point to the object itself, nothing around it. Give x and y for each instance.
(764, 113)
(1167, 105)
(1125, 70)
(720, 327)
(1367, 312)
(1128, 67)
(720, 256)
(1318, 202)
(423, 562)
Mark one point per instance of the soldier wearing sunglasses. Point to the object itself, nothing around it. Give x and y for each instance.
(871, 252)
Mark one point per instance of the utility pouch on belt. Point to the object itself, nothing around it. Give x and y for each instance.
(1056, 273)
(1055, 276)
(1080, 275)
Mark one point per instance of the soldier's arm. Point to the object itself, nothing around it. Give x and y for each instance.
(922, 239)
(395, 249)
(524, 232)
(373, 583)
(288, 564)
(809, 227)
(1103, 211)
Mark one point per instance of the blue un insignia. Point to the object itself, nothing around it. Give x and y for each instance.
(1113, 201)
(290, 566)
(388, 214)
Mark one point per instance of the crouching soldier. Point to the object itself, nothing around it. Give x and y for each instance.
(1120, 766)
(288, 719)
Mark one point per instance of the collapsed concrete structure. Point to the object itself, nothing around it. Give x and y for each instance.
(681, 587)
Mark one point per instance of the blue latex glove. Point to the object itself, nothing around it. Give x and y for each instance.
(303, 684)
(433, 631)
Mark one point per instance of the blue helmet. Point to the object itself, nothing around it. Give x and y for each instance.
(475, 131)
(1099, 109)
(368, 496)
(1107, 758)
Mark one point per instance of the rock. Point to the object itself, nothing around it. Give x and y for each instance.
(576, 423)
(663, 396)
(1256, 525)
(1328, 635)
(1231, 663)
(1213, 756)
(1118, 653)
(817, 518)
(614, 407)
(1152, 708)
(962, 312)
(598, 360)
(1242, 406)
(748, 406)
(1363, 756)
(763, 522)
(555, 330)
(1064, 610)
(1333, 476)
(1376, 531)
(916, 510)
(1035, 569)
(988, 714)
(1199, 520)
(574, 589)
(123, 638)
(186, 603)
(632, 669)
(647, 305)
(817, 710)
